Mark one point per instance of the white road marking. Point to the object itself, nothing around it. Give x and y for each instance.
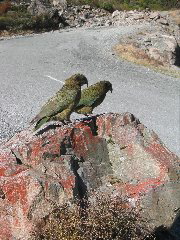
(54, 79)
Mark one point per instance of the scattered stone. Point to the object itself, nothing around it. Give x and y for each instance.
(87, 16)
(138, 16)
(163, 21)
(108, 23)
(61, 25)
(154, 15)
(59, 4)
(86, 7)
(115, 14)
(38, 7)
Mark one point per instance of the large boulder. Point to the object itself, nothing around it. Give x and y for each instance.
(40, 171)
(162, 47)
(159, 49)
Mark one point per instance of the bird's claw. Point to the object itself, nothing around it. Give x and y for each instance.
(66, 122)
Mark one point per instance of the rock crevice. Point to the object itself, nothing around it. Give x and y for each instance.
(112, 153)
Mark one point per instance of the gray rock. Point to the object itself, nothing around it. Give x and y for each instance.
(154, 15)
(38, 7)
(61, 25)
(163, 21)
(163, 48)
(138, 16)
(86, 15)
(108, 23)
(59, 4)
(113, 153)
(86, 7)
(115, 14)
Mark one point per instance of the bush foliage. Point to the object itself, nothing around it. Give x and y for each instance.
(16, 18)
(37, 23)
(130, 4)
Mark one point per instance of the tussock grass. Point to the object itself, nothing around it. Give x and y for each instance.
(104, 218)
(138, 56)
(134, 54)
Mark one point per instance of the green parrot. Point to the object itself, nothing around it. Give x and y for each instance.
(60, 106)
(92, 96)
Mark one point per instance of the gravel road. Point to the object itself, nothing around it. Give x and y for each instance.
(26, 63)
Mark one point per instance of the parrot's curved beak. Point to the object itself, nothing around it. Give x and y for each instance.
(86, 82)
(111, 89)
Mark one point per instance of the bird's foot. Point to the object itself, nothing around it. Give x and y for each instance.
(88, 116)
(66, 122)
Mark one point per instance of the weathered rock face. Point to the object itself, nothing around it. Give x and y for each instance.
(38, 7)
(161, 47)
(87, 16)
(112, 152)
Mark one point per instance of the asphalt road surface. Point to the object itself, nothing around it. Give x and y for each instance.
(31, 66)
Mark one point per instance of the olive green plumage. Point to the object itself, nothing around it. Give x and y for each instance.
(92, 96)
(60, 106)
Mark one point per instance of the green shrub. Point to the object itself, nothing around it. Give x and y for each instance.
(5, 23)
(45, 22)
(19, 8)
(15, 22)
(107, 6)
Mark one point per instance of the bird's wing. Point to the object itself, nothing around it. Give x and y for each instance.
(91, 95)
(58, 103)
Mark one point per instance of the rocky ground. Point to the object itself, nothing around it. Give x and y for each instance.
(157, 46)
(78, 16)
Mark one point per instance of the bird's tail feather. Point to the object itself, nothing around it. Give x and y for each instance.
(41, 122)
(34, 120)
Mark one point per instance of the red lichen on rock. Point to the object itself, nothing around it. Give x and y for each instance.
(40, 171)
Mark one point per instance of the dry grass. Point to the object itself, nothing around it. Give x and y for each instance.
(103, 219)
(175, 14)
(133, 54)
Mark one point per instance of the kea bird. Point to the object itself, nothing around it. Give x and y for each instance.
(60, 106)
(92, 96)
